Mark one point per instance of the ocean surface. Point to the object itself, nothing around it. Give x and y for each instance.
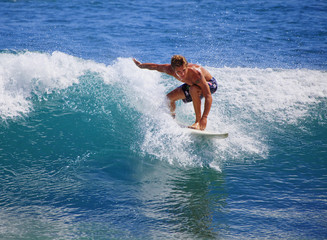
(88, 149)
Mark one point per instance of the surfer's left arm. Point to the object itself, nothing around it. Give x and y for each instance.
(202, 83)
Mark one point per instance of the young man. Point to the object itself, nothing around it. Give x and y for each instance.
(198, 83)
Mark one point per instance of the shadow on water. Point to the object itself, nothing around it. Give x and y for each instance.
(192, 202)
(202, 214)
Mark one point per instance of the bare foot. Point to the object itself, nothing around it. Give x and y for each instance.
(195, 126)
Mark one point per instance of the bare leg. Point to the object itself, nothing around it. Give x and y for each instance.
(173, 96)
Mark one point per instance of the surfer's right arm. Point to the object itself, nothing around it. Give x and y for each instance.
(164, 68)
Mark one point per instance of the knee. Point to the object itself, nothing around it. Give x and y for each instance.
(169, 98)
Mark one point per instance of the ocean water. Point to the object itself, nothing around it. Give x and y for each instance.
(88, 149)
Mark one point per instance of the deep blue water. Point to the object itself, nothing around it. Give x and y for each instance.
(89, 151)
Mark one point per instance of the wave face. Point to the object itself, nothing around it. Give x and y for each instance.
(89, 149)
(128, 104)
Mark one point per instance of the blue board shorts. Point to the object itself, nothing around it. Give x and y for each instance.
(186, 89)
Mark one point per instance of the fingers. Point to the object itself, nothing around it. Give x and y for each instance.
(136, 62)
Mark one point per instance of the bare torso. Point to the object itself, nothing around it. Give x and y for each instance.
(193, 73)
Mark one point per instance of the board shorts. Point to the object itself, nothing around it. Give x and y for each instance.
(186, 89)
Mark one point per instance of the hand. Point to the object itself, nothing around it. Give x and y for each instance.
(137, 63)
(203, 123)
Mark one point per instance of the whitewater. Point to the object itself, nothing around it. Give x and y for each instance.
(88, 149)
(251, 104)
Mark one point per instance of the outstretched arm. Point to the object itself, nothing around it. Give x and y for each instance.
(164, 68)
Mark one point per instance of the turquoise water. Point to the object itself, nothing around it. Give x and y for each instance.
(88, 149)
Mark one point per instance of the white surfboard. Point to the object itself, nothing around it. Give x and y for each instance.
(205, 133)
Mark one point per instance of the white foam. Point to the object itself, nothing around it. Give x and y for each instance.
(21, 74)
(246, 103)
(140, 87)
(275, 94)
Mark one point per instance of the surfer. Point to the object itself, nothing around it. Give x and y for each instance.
(198, 83)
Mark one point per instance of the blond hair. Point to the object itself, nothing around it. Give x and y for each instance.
(178, 61)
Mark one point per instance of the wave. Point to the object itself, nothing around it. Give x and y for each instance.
(251, 104)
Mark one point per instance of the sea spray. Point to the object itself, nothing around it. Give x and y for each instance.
(131, 103)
